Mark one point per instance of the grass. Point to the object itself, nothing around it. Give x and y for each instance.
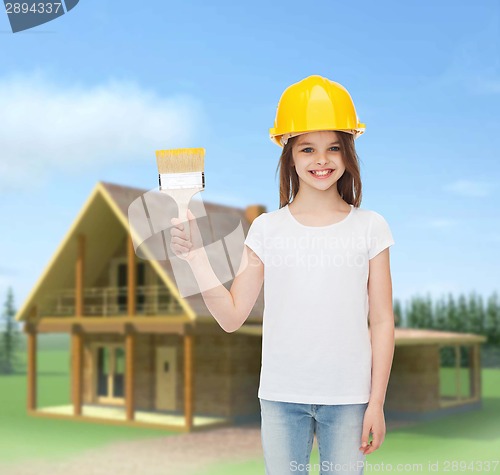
(459, 443)
(23, 436)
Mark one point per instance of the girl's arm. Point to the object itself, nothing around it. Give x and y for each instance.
(382, 338)
(230, 308)
(381, 319)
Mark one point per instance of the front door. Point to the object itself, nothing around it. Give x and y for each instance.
(166, 378)
(110, 373)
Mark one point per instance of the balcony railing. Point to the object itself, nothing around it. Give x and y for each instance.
(111, 301)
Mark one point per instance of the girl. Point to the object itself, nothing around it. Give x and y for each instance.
(324, 264)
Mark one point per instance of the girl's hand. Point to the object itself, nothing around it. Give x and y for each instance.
(186, 249)
(374, 422)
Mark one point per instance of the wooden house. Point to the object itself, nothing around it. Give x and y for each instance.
(143, 354)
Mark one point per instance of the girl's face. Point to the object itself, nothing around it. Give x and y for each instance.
(316, 151)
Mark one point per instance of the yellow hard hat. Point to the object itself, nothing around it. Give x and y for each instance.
(313, 104)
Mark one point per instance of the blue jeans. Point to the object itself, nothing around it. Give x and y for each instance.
(288, 429)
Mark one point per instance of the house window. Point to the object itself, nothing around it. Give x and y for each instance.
(122, 282)
(119, 373)
(110, 369)
(102, 370)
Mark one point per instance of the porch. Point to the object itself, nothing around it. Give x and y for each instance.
(170, 420)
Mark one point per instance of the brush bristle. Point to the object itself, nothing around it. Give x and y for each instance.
(181, 160)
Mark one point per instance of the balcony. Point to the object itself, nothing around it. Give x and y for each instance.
(151, 300)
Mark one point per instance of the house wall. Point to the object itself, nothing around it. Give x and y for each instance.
(212, 371)
(414, 381)
(226, 371)
(104, 277)
(246, 359)
(144, 386)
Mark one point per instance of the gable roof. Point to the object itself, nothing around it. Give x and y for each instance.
(221, 221)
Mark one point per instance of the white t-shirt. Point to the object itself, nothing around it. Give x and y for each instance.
(316, 346)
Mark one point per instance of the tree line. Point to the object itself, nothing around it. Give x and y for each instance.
(464, 314)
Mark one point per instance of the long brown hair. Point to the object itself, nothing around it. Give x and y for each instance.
(349, 185)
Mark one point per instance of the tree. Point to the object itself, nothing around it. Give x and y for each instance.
(441, 315)
(398, 313)
(9, 338)
(493, 319)
(477, 315)
(452, 318)
(420, 313)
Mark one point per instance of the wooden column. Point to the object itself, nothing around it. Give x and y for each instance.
(188, 379)
(76, 331)
(131, 277)
(79, 275)
(76, 368)
(130, 337)
(475, 370)
(129, 372)
(457, 372)
(32, 340)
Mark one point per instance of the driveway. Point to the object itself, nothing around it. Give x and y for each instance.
(184, 453)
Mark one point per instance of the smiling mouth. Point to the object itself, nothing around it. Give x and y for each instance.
(321, 173)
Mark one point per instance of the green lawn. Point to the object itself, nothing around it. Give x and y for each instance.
(23, 436)
(472, 438)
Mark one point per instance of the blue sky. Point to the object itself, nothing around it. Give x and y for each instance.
(91, 96)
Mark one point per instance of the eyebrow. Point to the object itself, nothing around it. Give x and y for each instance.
(309, 143)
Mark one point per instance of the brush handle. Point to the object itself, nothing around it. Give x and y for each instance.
(182, 197)
(183, 207)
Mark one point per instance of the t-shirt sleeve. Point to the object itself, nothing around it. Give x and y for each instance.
(380, 235)
(255, 236)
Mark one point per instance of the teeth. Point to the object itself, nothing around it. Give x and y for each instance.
(322, 173)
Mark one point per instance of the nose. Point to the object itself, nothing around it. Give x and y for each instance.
(321, 159)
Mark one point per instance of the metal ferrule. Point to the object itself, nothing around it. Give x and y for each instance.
(182, 180)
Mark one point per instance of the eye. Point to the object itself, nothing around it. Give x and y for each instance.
(310, 148)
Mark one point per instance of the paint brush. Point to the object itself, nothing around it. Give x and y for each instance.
(181, 175)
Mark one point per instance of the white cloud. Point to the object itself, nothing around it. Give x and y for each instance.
(470, 188)
(47, 126)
